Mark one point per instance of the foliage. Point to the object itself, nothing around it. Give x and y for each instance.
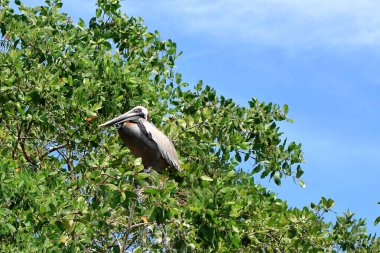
(68, 186)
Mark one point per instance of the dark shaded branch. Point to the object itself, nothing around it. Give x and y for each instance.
(66, 159)
(52, 150)
(17, 140)
(26, 155)
(69, 157)
(22, 143)
(29, 127)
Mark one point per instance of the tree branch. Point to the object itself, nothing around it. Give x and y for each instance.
(109, 176)
(129, 226)
(17, 140)
(22, 143)
(54, 138)
(132, 241)
(66, 159)
(52, 150)
(136, 225)
(26, 155)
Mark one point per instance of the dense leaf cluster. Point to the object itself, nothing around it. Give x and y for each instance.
(65, 185)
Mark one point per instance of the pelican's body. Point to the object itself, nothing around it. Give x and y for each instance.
(144, 140)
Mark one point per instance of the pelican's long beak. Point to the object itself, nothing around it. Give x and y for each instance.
(128, 116)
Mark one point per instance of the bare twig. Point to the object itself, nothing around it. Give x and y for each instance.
(135, 225)
(276, 241)
(118, 242)
(131, 242)
(129, 226)
(31, 138)
(103, 174)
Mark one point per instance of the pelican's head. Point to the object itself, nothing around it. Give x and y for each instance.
(132, 115)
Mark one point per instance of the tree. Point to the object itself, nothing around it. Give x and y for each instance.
(68, 186)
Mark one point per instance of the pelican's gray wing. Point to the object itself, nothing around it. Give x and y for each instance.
(165, 145)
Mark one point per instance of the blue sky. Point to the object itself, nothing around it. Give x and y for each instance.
(320, 57)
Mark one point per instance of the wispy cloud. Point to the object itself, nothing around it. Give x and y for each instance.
(339, 23)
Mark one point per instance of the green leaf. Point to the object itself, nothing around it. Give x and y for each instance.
(142, 175)
(181, 123)
(286, 109)
(235, 229)
(98, 12)
(96, 106)
(206, 178)
(138, 161)
(226, 189)
(377, 221)
(330, 203)
(299, 171)
(199, 85)
(257, 169)
(151, 191)
(5, 88)
(238, 157)
(277, 178)
(112, 187)
(231, 173)
(178, 78)
(301, 183)
(91, 163)
(123, 196)
(11, 228)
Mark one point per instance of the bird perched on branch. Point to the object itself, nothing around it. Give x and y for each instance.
(144, 140)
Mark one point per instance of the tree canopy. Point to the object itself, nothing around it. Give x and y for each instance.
(66, 185)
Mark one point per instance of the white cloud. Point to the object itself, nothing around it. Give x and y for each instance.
(305, 23)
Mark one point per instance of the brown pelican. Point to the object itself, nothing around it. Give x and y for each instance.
(144, 140)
